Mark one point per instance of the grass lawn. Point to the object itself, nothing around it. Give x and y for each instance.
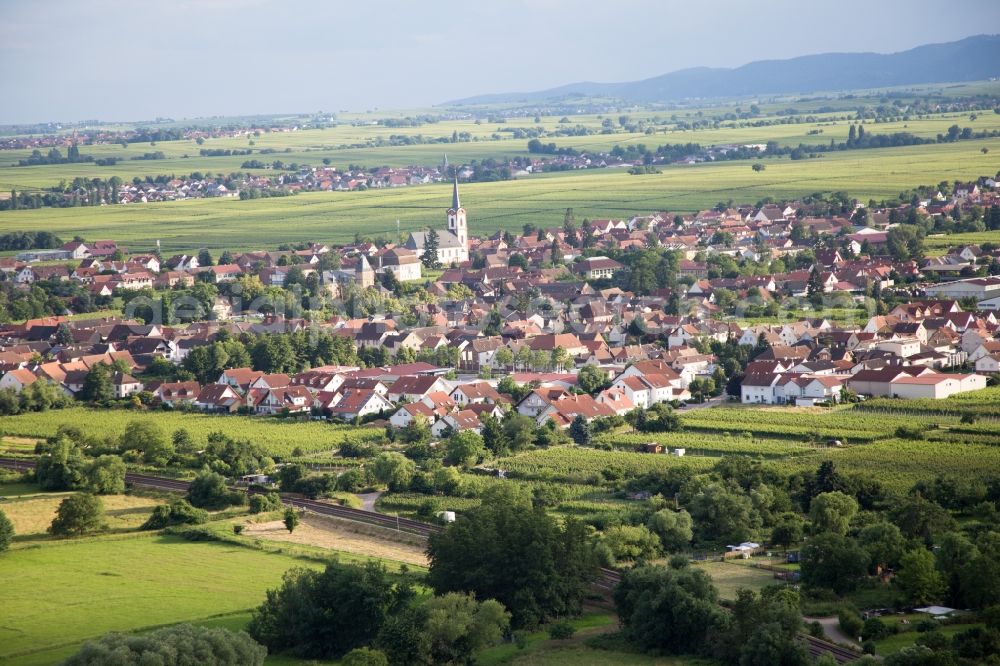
(581, 655)
(908, 635)
(729, 577)
(57, 595)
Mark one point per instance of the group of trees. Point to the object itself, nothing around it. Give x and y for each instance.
(39, 396)
(676, 610)
(506, 564)
(371, 617)
(63, 466)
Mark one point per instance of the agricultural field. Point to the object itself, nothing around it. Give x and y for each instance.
(280, 438)
(542, 199)
(581, 464)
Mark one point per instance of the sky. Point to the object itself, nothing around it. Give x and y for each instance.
(69, 60)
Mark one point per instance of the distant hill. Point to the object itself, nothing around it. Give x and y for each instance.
(970, 59)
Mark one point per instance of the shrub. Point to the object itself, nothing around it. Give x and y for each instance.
(875, 629)
(6, 531)
(78, 514)
(561, 630)
(178, 512)
(850, 623)
(265, 503)
(365, 657)
(172, 646)
(209, 491)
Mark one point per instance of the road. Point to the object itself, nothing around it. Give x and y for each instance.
(368, 501)
(711, 402)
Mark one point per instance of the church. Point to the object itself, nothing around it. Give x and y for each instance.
(453, 242)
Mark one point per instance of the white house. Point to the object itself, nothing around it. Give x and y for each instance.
(935, 386)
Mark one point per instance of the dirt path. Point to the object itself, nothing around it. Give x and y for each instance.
(831, 627)
(315, 532)
(368, 500)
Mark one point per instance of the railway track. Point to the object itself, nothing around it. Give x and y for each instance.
(817, 647)
(323, 508)
(606, 581)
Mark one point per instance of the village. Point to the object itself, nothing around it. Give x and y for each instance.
(545, 323)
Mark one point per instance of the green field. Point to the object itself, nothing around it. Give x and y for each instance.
(730, 577)
(540, 200)
(59, 595)
(280, 438)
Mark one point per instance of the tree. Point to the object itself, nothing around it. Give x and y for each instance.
(814, 287)
(758, 167)
(6, 531)
(832, 512)
(503, 357)
(884, 544)
(579, 431)
(291, 519)
(787, 530)
(764, 629)
(394, 470)
(669, 610)
(919, 518)
(509, 550)
(106, 476)
(147, 436)
(97, 386)
(833, 561)
(78, 514)
(429, 258)
(519, 431)
(905, 242)
(324, 615)
(919, 578)
(674, 529)
(172, 646)
(722, 514)
(205, 257)
(209, 491)
(591, 379)
(493, 436)
(456, 626)
(658, 418)
(630, 543)
(954, 554)
(464, 449)
(60, 465)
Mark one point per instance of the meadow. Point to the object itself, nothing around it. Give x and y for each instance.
(280, 438)
(61, 594)
(541, 200)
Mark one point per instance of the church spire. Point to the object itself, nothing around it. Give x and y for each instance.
(455, 204)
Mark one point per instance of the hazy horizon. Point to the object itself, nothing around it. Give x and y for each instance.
(68, 61)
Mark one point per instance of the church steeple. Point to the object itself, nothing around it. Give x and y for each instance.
(457, 223)
(455, 203)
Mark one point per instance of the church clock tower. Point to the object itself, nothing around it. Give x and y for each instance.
(456, 219)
